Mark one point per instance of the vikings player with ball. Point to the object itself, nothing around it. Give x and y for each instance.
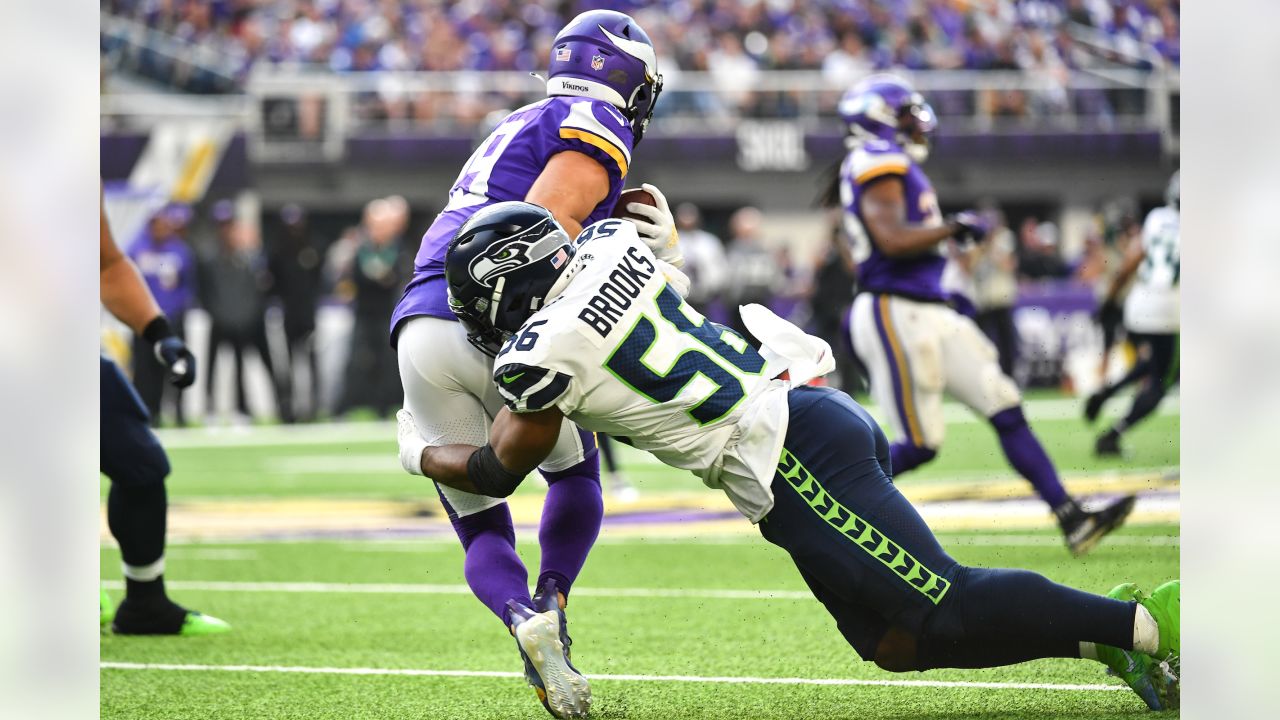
(569, 154)
(913, 343)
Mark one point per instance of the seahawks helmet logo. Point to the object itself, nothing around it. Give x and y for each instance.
(517, 251)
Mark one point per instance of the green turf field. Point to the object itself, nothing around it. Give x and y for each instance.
(671, 627)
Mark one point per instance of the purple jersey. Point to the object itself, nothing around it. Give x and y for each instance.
(503, 168)
(169, 269)
(918, 276)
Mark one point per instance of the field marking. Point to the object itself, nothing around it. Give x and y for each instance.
(447, 541)
(412, 672)
(344, 434)
(432, 589)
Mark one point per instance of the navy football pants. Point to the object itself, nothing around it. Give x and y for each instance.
(868, 556)
(131, 456)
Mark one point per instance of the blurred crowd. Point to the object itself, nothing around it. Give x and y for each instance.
(263, 291)
(223, 267)
(732, 40)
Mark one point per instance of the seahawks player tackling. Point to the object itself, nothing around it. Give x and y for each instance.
(597, 330)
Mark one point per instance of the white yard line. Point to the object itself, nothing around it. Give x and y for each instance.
(341, 434)
(448, 541)
(429, 589)
(412, 672)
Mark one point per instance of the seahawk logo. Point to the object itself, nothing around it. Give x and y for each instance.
(516, 252)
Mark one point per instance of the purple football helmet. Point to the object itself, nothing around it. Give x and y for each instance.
(605, 55)
(886, 107)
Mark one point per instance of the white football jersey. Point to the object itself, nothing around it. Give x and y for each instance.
(618, 351)
(1153, 305)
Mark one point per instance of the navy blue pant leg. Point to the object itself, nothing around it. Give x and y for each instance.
(860, 545)
(131, 456)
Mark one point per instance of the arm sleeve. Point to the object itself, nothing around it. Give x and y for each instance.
(529, 388)
(598, 130)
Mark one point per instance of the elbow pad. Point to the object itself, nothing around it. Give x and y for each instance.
(488, 475)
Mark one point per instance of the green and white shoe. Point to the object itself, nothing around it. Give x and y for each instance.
(1165, 605)
(197, 623)
(1156, 682)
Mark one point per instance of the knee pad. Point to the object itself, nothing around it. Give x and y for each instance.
(492, 520)
(147, 465)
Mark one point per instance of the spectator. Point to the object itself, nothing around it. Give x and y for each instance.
(233, 283)
(295, 264)
(379, 271)
(169, 269)
(704, 258)
(834, 285)
(755, 273)
(996, 289)
(1038, 258)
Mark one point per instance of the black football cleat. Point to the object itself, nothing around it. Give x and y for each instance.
(1108, 445)
(1083, 529)
(1093, 407)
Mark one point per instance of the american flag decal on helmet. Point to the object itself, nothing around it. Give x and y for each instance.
(558, 259)
(563, 54)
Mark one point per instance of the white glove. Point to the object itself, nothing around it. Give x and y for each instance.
(660, 232)
(411, 443)
(675, 278)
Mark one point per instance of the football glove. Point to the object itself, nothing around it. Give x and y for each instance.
(970, 228)
(171, 352)
(659, 233)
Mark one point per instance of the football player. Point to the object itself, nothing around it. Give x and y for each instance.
(570, 154)
(594, 331)
(914, 344)
(1152, 312)
(131, 457)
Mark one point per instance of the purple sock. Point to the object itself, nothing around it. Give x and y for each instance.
(1027, 456)
(492, 567)
(905, 456)
(571, 517)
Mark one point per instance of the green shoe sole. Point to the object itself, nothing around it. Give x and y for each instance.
(1155, 682)
(200, 624)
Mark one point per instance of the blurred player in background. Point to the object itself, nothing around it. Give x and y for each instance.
(168, 266)
(132, 458)
(604, 337)
(914, 344)
(570, 154)
(1152, 313)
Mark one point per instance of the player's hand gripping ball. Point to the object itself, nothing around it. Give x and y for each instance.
(647, 209)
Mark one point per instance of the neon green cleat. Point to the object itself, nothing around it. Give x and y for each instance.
(1156, 682)
(1165, 605)
(106, 610)
(197, 623)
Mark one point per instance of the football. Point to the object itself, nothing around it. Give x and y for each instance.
(634, 195)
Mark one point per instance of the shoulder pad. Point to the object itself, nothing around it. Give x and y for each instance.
(529, 388)
(867, 164)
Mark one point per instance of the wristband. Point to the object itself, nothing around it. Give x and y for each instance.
(489, 477)
(157, 330)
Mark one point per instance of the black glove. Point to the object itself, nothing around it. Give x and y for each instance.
(171, 352)
(970, 228)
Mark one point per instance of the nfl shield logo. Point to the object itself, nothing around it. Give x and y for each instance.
(597, 62)
(562, 54)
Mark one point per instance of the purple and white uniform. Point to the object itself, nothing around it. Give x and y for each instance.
(918, 276)
(503, 168)
(914, 344)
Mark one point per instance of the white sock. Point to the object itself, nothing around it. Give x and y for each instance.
(144, 573)
(1088, 651)
(1146, 633)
